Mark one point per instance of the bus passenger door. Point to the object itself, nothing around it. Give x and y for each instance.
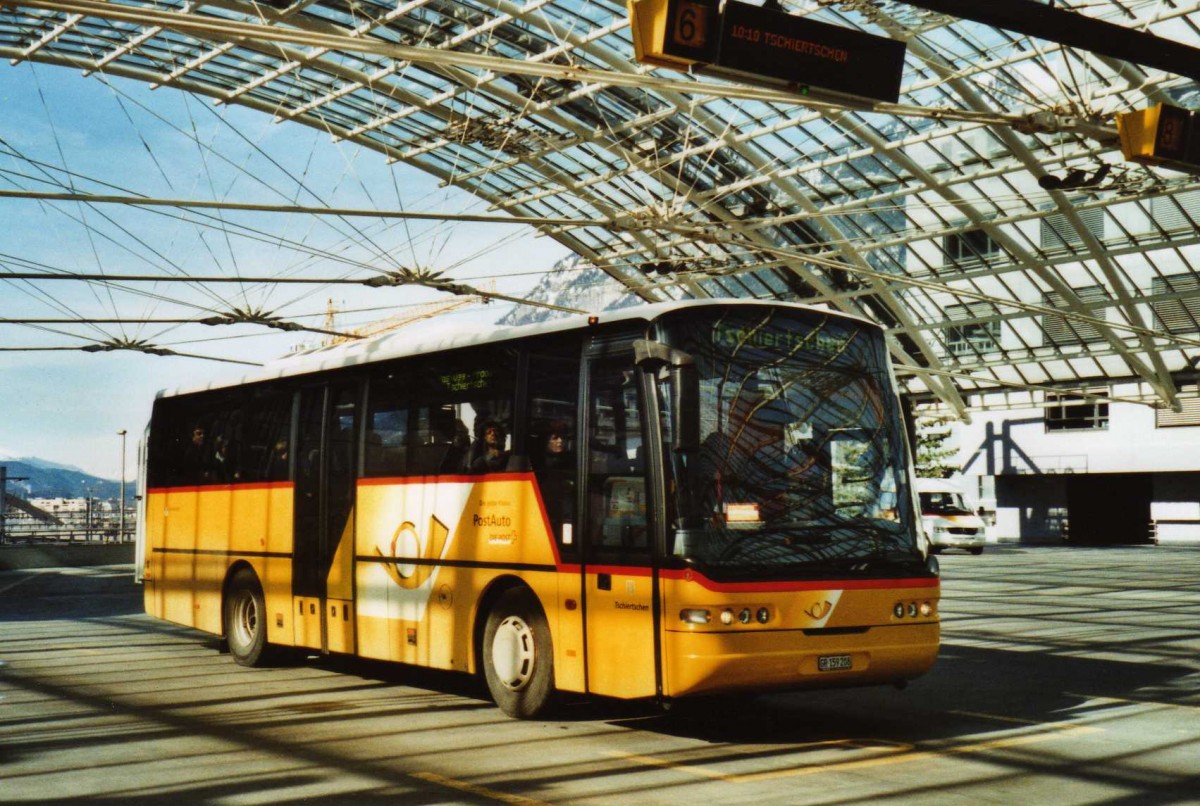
(618, 577)
(323, 552)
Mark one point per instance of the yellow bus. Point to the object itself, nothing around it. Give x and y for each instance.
(661, 502)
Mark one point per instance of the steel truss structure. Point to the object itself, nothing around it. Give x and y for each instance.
(987, 220)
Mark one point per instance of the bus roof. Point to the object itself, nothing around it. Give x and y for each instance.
(438, 335)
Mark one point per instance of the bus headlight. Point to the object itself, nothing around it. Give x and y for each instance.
(764, 615)
(913, 609)
(727, 616)
(745, 616)
(695, 615)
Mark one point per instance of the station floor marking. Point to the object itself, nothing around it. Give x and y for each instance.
(1127, 701)
(20, 581)
(1000, 718)
(897, 754)
(473, 789)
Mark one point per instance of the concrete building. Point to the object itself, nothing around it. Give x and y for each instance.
(1104, 461)
(67, 506)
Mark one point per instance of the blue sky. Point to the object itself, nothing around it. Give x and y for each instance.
(67, 407)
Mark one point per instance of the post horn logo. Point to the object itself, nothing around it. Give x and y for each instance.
(819, 610)
(412, 568)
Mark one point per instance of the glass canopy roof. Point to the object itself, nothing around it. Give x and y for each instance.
(988, 219)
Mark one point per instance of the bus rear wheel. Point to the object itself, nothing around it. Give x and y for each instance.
(245, 620)
(518, 661)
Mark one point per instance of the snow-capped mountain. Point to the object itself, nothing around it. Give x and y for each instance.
(571, 284)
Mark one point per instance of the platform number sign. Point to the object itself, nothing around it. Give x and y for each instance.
(1163, 134)
(1171, 139)
(691, 29)
(1179, 138)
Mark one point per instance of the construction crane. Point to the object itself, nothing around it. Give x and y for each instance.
(408, 316)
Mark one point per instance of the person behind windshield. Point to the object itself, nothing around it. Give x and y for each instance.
(736, 459)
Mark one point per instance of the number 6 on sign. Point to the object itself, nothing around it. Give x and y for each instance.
(691, 24)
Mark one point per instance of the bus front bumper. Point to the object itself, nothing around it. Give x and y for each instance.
(761, 660)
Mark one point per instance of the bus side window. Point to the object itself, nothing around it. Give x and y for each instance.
(616, 480)
(170, 441)
(201, 440)
(428, 451)
(471, 399)
(421, 413)
(387, 434)
(552, 438)
(268, 418)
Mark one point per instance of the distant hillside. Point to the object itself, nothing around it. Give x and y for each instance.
(49, 480)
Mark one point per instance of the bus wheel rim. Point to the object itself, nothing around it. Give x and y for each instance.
(513, 653)
(246, 619)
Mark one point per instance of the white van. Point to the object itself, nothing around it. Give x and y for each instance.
(949, 522)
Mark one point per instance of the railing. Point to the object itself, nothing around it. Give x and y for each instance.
(21, 531)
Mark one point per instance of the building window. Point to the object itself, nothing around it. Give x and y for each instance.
(1076, 413)
(1058, 233)
(1188, 415)
(971, 338)
(1180, 212)
(1060, 330)
(1180, 315)
(973, 244)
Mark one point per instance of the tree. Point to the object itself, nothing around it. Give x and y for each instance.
(936, 457)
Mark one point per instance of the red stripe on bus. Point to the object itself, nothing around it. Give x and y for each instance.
(780, 586)
(455, 478)
(623, 570)
(250, 485)
(549, 527)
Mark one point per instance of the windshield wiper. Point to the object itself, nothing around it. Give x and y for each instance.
(804, 532)
(891, 559)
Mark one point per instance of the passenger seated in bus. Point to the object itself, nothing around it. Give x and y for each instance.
(195, 458)
(555, 473)
(223, 466)
(555, 455)
(489, 453)
(460, 447)
(278, 468)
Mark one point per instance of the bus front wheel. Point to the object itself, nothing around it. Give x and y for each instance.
(518, 661)
(245, 620)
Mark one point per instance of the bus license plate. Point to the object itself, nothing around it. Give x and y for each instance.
(833, 663)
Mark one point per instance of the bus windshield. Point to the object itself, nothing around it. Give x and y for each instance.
(801, 465)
